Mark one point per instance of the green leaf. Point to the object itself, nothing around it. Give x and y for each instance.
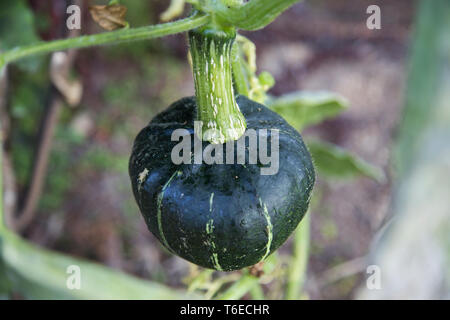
(38, 273)
(17, 28)
(253, 15)
(335, 162)
(306, 108)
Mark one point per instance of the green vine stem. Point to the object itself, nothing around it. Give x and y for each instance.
(2, 218)
(239, 288)
(240, 81)
(252, 15)
(199, 280)
(257, 292)
(114, 37)
(297, 268)
(246, 81)
(220, 119)
(2, 92)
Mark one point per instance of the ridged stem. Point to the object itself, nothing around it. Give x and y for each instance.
(220, 119)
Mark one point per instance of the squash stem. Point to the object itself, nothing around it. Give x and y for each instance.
(219, 117)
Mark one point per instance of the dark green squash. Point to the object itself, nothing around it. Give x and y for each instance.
(220, 216)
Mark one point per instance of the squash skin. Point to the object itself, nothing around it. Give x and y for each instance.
(220, 216)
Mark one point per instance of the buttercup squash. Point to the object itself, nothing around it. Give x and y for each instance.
(220, 216)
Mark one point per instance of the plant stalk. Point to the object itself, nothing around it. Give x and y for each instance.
(2, 218)
(2, 213)
(239, 77)
(218, 115)
(113, 37)
(257, 292)
(298, 266)
(239, 288)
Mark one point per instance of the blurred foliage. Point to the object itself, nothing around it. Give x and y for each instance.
(417, 239)
(27, 102)
(140, 13)
(302, 109)
(329, 229)
(37, 273)
(335, 162)
(426, 76)
(101, 159)
(17, 28)
(27, 106)
(61, 176)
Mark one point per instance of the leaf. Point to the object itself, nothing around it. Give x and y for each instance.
(334, 162)
(17, 28)
(38, 273)
(174, 10)
(306, 108)
(109, 17)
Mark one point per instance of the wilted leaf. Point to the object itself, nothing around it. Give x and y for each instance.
(334, 162)
(174, 10)
(71, 90)
(302, 109)
(109, 17)
(38, 273)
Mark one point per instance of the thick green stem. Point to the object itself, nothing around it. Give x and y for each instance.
(298, 265)
(218, 115)
(113, 37)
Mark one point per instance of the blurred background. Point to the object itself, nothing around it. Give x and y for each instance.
(86, 207)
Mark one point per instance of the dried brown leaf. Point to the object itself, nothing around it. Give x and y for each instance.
(257, 270)
(109, 17)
